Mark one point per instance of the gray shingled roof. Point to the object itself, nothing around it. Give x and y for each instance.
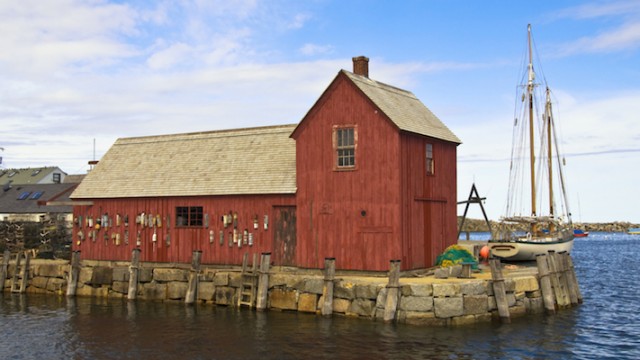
(244, 161)
(11, 201)
(403, 108)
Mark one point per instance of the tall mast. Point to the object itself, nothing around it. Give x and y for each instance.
(549, 119)
(530, 86)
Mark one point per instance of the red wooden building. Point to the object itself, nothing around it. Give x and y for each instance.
(367, 176)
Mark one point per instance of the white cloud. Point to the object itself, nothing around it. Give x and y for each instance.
(609, 123)
(625, 37)
(602, 9)
(314, 49)
(170, 56)
(298, 21)
(41, 37)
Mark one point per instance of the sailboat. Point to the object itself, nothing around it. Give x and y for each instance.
(527, 230)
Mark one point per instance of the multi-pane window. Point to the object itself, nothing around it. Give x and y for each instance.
(189, 216)
(429, 157)
(345, 147)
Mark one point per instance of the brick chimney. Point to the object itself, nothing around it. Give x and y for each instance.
(361, 66)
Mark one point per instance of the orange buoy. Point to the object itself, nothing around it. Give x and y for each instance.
(484, 252)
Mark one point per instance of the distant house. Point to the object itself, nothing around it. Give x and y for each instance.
(367, 176)
(29, 202)
(40, 175)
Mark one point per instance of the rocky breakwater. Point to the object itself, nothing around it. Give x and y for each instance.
(477, 225)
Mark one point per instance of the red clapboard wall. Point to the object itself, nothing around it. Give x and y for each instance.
(177, 243)
(428, 201)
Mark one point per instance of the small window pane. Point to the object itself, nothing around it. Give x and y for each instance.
(36, 195)
(429, 159)
(24, 195)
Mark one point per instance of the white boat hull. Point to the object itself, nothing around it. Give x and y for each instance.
(527, 250)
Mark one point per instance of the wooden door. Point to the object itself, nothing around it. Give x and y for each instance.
(284, 236)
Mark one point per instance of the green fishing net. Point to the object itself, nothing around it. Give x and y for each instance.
(454, 255)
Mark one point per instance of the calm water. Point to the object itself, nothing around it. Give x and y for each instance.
(607, 325)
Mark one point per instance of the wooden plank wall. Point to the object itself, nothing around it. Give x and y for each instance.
(183, 240)
(429, 201)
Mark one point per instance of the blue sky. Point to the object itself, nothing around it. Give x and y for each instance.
(75, 71)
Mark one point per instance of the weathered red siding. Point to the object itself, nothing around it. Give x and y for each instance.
(350, 215)
(183, 240)
(428, 201)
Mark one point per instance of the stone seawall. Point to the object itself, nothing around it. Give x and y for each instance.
(422, 300)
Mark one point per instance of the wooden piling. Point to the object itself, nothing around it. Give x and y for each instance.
(391, 303)
(3, 269)
(555, 279)
(74, 274)
(572, 272)
(192, 288)
(571, 286)
(499, 290)
(575, 278)
(133, 274)
(466, 271)
(545, 284)
(327, 289)
(263, 281)
(562, 270)
(558, 290)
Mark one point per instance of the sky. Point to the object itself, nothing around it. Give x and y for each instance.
(78, 73)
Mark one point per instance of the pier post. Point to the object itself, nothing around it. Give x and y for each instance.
(192, 289)
(571, 286)
(558, 283)
(3, 269)
(327, 289)
(564, 281)
(545, 284)
(74, 273)
(263, 281)
(572, 272)
(391, 303)
(499, 290)
(133, 274)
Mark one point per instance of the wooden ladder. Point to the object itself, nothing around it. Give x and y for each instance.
(21, 273)
(249, 285)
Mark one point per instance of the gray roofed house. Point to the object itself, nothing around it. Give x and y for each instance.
(39, 175)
